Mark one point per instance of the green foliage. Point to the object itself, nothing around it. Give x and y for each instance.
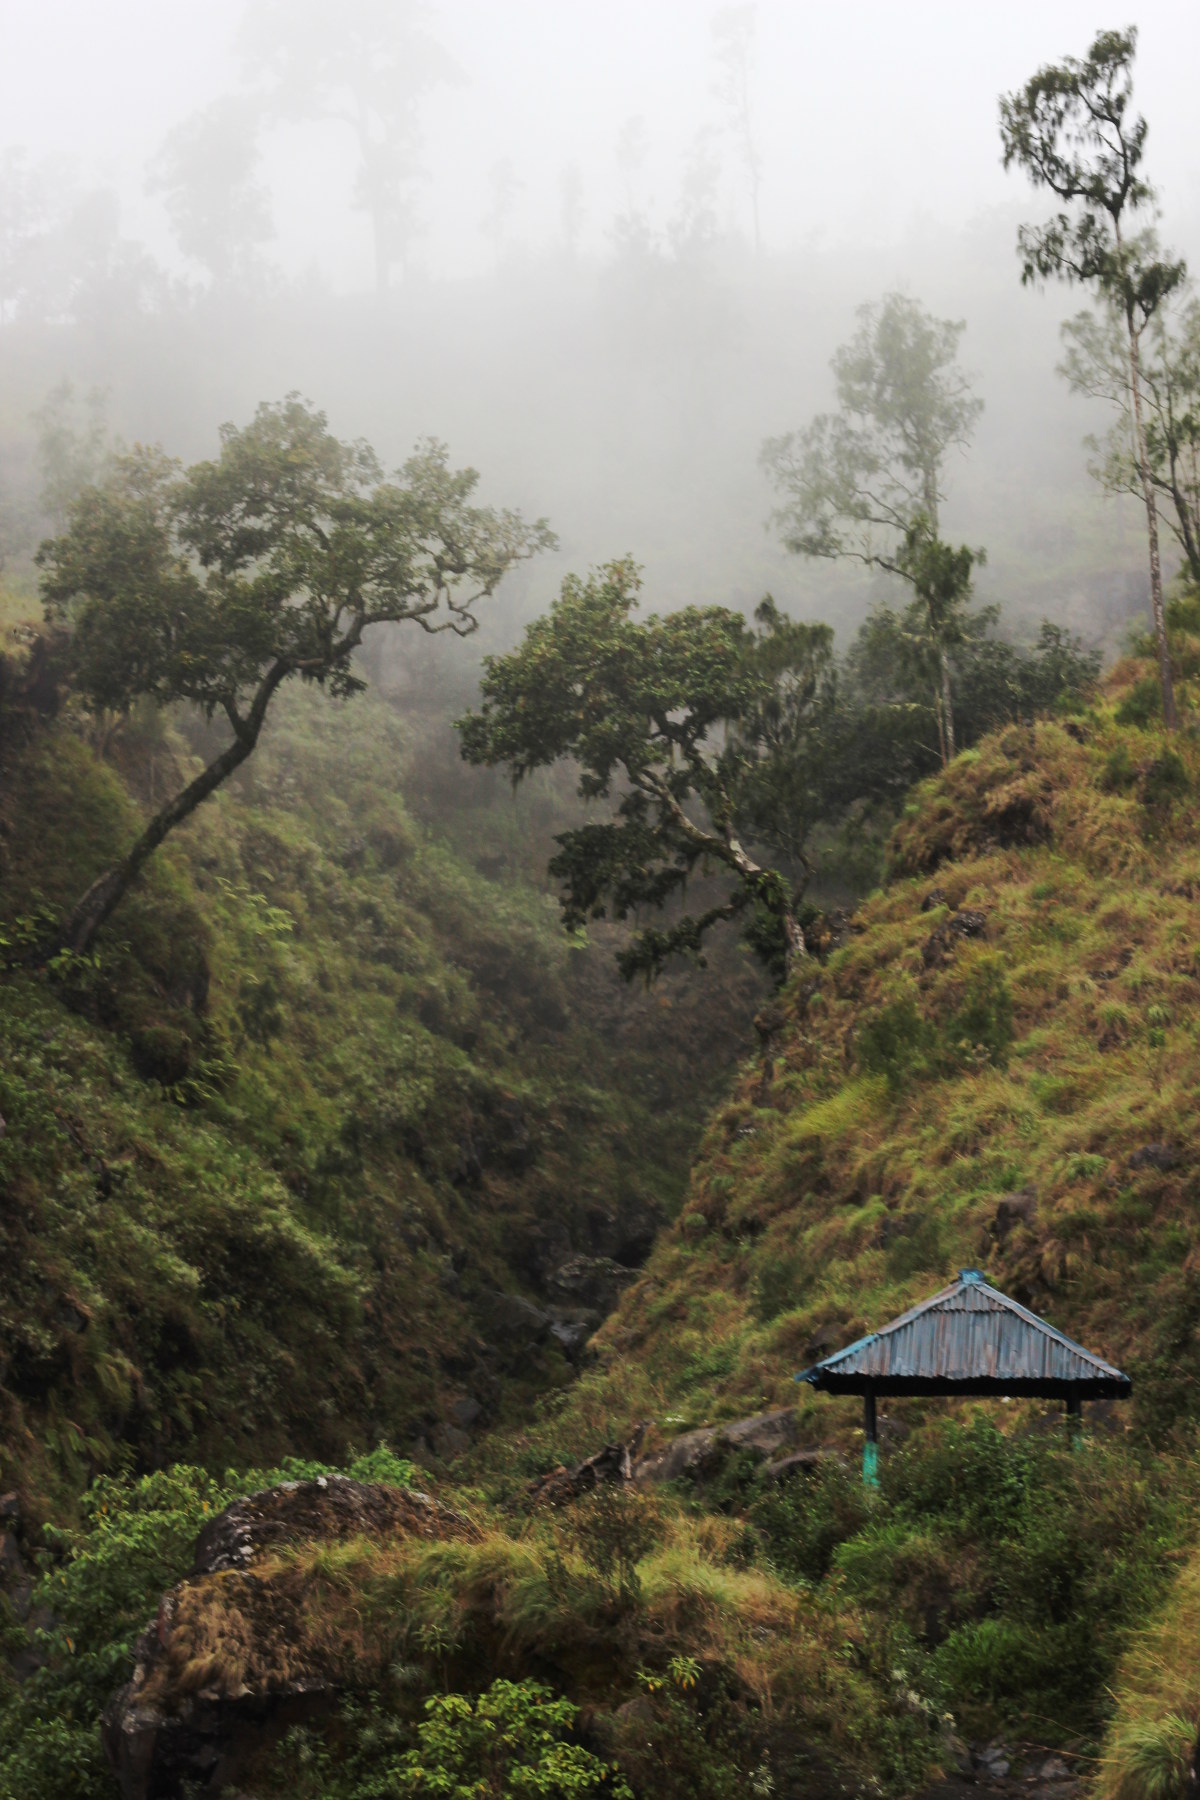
(695, 1741)
(710, 730)
(1035, 1560)
(1165, 781)
(100, 1586)
(272, 559)
(804, 1521)
(219, 584)
(981, 1029)
(897, 1041)
(1142, 705)
(514, 1740)
(1155, 1756)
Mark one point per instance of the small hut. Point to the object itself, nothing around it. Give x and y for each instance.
(969, 1339)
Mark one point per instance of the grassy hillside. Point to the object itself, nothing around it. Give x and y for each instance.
(272, 1161)
(998, 1066)
(278, 1239)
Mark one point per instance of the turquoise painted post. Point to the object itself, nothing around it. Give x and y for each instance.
(870, 1441)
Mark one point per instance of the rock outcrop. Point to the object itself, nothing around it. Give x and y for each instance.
(229, 1663)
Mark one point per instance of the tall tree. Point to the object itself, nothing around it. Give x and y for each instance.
(216, 584)
(1097, 364)
(207, 173)
(733, 44)
(866, 482)
(1072, 130)
(368, 65)
(705, 736)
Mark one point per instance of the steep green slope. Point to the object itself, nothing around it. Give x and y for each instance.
(998, 1066)
(274, 1163)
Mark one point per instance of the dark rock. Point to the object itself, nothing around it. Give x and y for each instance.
(539, 1249)
(797, 1462)
(935, 897)
(71, 1317)
(595, 1282)
(448, 1442)
(991, 1762)
(637, 1711)
(1017, 1208)
(571, 1334)
(10, 1505)
(938, 947)
(625, 1236)
(466, 1412)
(164, 1737)
(697, 1453)
(1155, 1156)
(512, 1316)
(1052, 1768)
(615, 1462)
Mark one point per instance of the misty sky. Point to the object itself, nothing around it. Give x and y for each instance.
(868, 115)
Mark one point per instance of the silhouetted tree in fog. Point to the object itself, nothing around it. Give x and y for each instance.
(866, 482)
(733, 45)
(368, 65)
(207, 173)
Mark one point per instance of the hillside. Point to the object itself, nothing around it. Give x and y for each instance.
(336, 1139)
(995, 1066)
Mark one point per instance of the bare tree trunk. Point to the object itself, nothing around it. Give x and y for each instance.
(948, 749)
(796, 950)
(1156, 596)
(78, 930)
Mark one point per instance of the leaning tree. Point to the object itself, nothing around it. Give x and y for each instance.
(866, 482)
(215, 585)
(1071, 129)
(707, 741)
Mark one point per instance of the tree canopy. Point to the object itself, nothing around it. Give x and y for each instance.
(707, 737)
(215, 584)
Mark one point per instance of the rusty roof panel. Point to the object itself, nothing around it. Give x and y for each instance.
(969, 1336)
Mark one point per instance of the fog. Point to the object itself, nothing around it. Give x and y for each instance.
(621, 244)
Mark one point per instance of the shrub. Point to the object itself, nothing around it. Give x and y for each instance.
(513, 1741)
(1142, 704)
(983, 1025)
(804, 1522)
(1165, 781)
(895, 1042)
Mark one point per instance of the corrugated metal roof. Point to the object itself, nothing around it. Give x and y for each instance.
(968, 1338)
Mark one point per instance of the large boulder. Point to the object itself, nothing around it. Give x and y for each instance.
(229, 1661)
(695, 1454)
